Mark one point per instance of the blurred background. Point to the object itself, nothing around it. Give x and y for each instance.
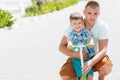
(30, 33)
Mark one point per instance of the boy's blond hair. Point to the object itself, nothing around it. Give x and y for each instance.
(75, 16)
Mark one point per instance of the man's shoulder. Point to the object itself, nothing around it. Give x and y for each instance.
(103, 29)
(101, 23)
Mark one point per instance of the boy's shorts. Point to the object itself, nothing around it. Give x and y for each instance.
(67, 69)
(78, 69)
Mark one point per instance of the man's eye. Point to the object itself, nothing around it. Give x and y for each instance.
(95, 14)
(79, 23)
(89, 13)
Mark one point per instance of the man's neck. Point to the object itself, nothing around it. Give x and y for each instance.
(87, 25)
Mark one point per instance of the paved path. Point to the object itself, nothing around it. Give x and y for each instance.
(30, 50)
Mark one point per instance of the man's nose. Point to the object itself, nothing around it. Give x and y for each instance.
(92, 17)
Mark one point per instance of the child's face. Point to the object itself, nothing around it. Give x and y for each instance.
(77, 24)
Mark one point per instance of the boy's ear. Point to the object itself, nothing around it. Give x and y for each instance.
(70, 23)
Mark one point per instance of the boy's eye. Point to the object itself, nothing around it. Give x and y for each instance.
(80, 23)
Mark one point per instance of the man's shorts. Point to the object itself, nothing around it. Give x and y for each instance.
(67, 69)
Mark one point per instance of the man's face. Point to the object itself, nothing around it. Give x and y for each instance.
(77, 24)
(91, 14)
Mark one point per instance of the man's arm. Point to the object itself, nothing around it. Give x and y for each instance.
(63, 49)
(102, 47)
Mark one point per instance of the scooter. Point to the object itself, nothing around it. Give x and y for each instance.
(81, 58)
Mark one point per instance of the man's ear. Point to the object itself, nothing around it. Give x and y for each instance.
(84, 12)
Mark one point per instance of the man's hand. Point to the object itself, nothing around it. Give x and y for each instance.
(87, 66)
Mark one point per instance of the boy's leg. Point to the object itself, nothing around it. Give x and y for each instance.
(90, 77)
(67, 71)
(104, 70)
(90, 74)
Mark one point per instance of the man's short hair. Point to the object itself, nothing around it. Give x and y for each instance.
(75, 16)
(92, 4)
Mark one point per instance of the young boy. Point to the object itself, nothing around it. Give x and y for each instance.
(80, 36)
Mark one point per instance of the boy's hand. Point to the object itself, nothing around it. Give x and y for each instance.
(70, 47)
(89, 38)
(90, 45)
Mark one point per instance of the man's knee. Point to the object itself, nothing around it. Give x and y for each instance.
(67, 69)
(67, 78)
(105, 69)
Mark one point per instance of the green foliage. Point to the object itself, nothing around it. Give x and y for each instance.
(5, 18)
(70, 2)
(49, 7)
(33, 10)
(40, 7)
(39, 3)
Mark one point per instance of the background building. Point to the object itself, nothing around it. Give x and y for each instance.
(16, 7)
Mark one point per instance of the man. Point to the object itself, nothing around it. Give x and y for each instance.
(100, 36)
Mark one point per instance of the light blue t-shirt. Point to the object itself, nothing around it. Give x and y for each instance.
(99, 31)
